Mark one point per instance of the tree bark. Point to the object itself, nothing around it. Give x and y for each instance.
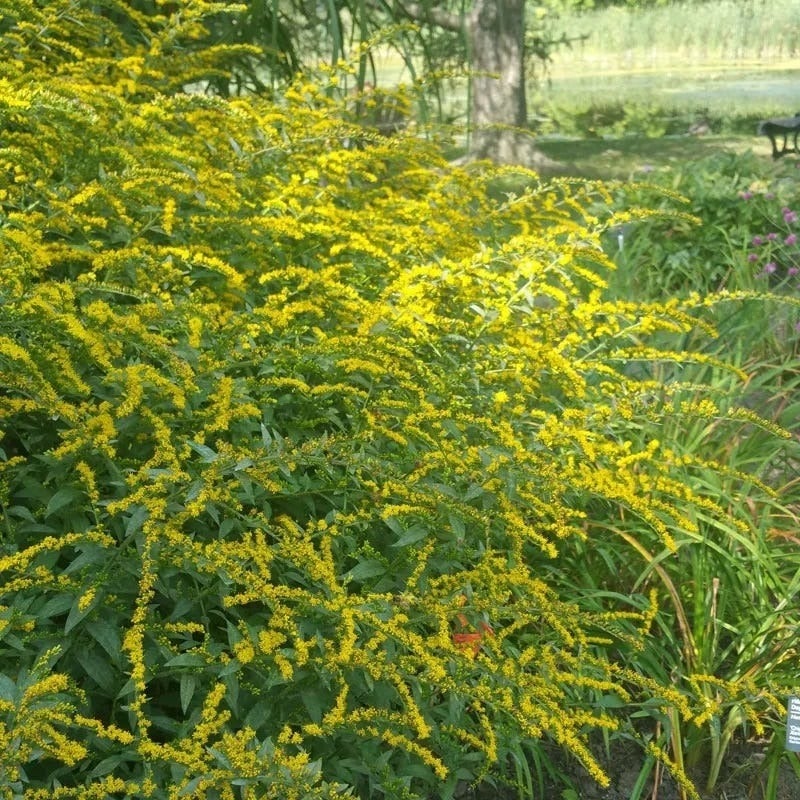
(495, 33)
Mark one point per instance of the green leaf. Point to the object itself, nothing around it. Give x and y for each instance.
(8, 689)
(415, 533)
(76, 614)
(187, 689)
(313, 703)
(106, 634)
(394, 525)
(108, 765)
(366, 569)
(231, 682)
(63, 497)
(457, 524)
(55, 606)
(186, 660)
(257, 716)
(90, 554)
(191, 785)
(450, 426)
(203, 450)
(136, 520)
(610, 701)
(474, 490)
(21, 512)
(231, 668)
(98, 669)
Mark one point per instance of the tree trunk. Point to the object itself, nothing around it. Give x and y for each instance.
(495, 33)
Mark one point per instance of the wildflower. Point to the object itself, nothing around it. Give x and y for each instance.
(771, 237)
(770, 267)
(752, 258)
(746, 195)
(790, 239)
(792, 271)
(758, 240)
(789, 216)
(500, 397)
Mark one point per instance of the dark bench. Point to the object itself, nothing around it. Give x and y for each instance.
(782, 126)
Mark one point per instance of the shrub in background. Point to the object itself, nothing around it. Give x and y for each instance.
(298, 424)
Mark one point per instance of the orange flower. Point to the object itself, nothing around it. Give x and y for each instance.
(469, 640)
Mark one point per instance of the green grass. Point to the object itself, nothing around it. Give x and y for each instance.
(732, 98)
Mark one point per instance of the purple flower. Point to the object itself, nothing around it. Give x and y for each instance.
(771, 237)
(757, 240)
(770, 267)
(752, 258)
(791, 239)
(746, 195)
(789, 217)
(792, 271)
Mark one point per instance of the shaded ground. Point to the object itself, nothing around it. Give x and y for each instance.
(633, 157)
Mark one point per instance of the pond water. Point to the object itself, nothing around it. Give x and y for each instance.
(744, 92)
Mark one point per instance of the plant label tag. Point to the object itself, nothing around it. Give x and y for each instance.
(793, 725)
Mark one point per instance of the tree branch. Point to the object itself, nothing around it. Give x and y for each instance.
(425, 12)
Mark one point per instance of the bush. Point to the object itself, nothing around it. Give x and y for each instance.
(298, 420)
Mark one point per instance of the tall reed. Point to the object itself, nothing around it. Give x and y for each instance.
(680, 33)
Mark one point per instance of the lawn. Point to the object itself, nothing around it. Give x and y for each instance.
(635, 157)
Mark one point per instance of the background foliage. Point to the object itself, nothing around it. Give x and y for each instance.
(321, 457)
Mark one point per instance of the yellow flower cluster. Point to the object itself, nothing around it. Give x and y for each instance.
(311, 423)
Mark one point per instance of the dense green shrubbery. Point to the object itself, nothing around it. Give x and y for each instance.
(732, 595)
(731, 198)
(303, 442)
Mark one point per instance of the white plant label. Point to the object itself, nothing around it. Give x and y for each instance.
(793, 725)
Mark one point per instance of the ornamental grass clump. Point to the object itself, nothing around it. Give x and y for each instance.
(295, 433)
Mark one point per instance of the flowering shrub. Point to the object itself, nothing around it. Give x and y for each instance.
(294, 433)
(775, 253)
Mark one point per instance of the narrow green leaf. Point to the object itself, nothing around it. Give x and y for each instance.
(186, 660)
(203, 450)
(108, 765)
(76, 614)
(187, 689)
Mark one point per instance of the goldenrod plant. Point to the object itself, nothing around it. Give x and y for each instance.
(298, 421)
